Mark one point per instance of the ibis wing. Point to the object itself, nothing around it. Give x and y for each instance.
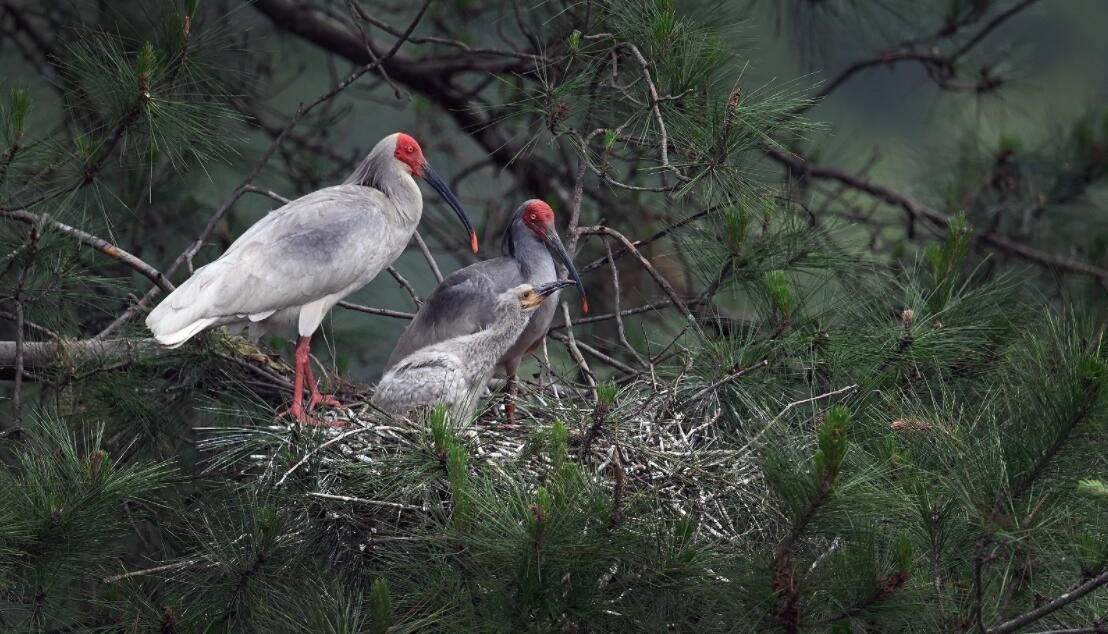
(312, 247)
(461, 304)
(423, 379)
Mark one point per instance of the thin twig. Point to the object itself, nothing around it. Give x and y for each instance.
(384, 312)
(151, 571)
(427, 256)
(347, 498)
(781, 414)
(101, 245)
(308, 456)
(28, 264)
(407, 286)
(937, 220)
(616, 301)
(575, 352)
(727, 379)
(662, 282)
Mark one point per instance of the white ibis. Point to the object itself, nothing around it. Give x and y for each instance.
(463, 303)
(298, 261)
(455, 371)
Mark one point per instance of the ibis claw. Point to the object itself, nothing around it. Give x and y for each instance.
(297, 413)
(318, 399)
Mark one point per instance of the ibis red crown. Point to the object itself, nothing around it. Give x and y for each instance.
(409, 153)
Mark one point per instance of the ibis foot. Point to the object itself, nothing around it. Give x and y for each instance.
(318, 399)
(510, 410)
(303, 418)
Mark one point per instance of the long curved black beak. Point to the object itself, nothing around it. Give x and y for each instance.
(555, 243)
(544, 290)
(436, 181)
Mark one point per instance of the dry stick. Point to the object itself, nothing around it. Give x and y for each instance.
(597, 263)
(619, 320)
(1063, 600)
(383, 312)
(727, 379)
(313, 452)
(32, 325)
(574, 220)
(265, 192)
(347, 498)
(215, 219)
(788, 407)
(662, 282)
(575, 352)
(663, 303)
(101, 245)
(615, 363)
(150, 571)
(28, 262)
(405, 284)
(654, 100)
(427, 256)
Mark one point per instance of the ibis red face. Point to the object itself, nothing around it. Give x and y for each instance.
(410, 154)
(539, 217)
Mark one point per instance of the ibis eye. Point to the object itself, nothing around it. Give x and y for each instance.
(410, 149)
(534, 217)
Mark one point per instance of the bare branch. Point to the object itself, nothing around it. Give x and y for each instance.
(936, 219)
(99, 244)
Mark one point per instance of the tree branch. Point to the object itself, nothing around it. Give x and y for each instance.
(99, 244)
(1061, 601)
(936, 219)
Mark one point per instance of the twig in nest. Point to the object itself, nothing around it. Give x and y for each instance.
(781, 414)
(308, 456)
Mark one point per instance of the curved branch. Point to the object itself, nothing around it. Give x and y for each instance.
(938, 220)
(101, 245)
(1063, 600)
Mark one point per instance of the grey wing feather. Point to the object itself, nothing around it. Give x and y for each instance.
(419, 380)
(462, 304)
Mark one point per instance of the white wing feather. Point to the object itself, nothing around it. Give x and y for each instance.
(323, 244)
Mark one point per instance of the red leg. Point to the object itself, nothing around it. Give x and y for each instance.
(316, 399)
(301, 358)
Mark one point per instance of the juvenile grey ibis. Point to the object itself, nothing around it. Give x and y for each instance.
(455, 371)
(294, 264)
(464, 302)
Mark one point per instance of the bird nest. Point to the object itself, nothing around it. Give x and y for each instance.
(652, 441)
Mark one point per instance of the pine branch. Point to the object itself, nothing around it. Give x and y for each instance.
(1061, 601)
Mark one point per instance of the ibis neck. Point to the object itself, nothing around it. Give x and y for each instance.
(381, 171)
(531, 253)
(494, 341)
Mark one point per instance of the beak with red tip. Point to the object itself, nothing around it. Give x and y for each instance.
(540, 292)
(436, 181)
(554, 243)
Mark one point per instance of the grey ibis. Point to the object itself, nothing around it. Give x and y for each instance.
(454, 371)
(464, 302)
(289, 268)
